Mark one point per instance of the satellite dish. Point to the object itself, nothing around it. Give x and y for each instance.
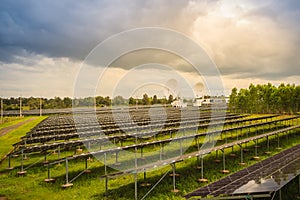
(198, 89)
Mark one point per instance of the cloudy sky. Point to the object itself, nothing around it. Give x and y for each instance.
(44, 44)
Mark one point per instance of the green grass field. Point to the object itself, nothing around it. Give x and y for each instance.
(9, 121)
(12, 137)
(90, 186)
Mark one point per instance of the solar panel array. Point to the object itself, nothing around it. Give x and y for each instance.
(236, 184)
(62, 133)
(100, 140)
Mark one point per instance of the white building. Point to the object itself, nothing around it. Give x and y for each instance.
(179, 104)
(198, 102)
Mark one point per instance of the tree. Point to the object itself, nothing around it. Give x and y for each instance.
(119, 100)
(145, 99)
(154, 99)
(267, 99)
(103, 101)
(233, 99)
(170, 99)
(67, 102)
(131, 101)
(33, 103)
(267, 91)
(243, 100)
(107, 101)
(252, 98)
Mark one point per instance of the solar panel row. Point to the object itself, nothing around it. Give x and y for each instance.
(232, 184)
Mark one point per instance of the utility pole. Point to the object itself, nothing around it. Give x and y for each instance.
(1, 111)
(40, 106)
(20, 106)
(136, 103)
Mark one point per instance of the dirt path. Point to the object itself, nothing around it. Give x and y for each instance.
(6, 130)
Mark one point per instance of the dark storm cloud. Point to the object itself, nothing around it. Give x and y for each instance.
(73, 28)
(43, 27)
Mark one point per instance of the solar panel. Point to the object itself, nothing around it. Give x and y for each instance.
(266, 176)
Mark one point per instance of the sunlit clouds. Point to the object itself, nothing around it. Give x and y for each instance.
(43, 44)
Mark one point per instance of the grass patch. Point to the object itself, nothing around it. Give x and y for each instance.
(12, 137)
(9, 121)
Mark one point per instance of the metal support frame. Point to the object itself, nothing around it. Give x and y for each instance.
(256, 157)
(198, 147)
(232, 152)
(68, 184)
(287, 136)
(25, 155)
(225, 171)
(86, 170)
(256, 147)
(142, 152)
(161, 152)
(246, 144)
(242, 155)
(48, 179)
(241, 133)
(278, 142)
(225, 137)
(217, 160)
(45, 158)
(67, 171)
(48, 167)
(58, 155)
(106, 177)
(9, 163)
(22, 172)
(221, 136)
(117, 159)
(174, 178)
(135, 175)
(256, 131)
(135, 185)
(58, 152)
(22, 157)
(268, 146)
(202, 179)
(145, 184)
(181, 151)
(89, 146)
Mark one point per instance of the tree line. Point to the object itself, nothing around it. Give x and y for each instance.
(266, 98)
(31, 103)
